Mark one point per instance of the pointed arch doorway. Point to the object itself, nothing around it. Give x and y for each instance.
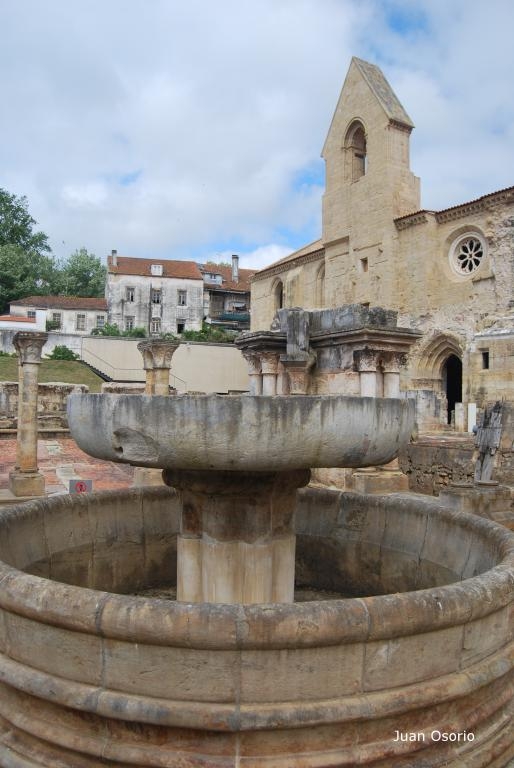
(452, 383)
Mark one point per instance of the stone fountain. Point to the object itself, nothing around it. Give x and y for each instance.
(234, 672)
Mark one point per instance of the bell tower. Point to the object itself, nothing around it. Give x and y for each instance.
(368, 178)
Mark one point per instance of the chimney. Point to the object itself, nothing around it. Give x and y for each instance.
(114, 258)
(235, 268)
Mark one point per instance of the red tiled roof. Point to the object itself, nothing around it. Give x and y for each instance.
(60, 302)
(228, 284)
(126, 265)
(18, 318)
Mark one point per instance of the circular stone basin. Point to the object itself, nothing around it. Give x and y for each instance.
(93, 677)
(241, 433)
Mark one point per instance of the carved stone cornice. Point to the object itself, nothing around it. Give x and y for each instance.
(412, 220)
(284, 266)
(258, 341)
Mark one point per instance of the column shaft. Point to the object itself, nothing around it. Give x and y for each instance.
(237, 540)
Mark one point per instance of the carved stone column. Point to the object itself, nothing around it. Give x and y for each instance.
(282, 380)
(254, 372)
(392, 375)
(269, 367)
(157, 354)
(366, 364)
(237, 541)
(25, 480)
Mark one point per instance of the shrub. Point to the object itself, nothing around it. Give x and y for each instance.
(109, 329)
(61, 352)
(136, 333)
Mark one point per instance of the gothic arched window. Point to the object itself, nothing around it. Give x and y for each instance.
(355, 145)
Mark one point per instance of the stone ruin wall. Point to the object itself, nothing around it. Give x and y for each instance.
(51, 404)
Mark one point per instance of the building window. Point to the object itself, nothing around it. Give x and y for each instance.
(156, 296)
(278, 295)
(156, 269)
(364, 265)
(100, 321)
(182, 298)
(467, 253)
(80, 322)
(31, 313)
(355, 144)
(320, 286)
(485, 359)
(129, 294)
(56, 319)
(180, 327)
(155, 325)
(129, 323)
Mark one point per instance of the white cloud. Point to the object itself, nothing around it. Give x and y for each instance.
(258, 258)
(167, 128)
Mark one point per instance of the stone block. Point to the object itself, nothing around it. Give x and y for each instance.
(303, 674)
(27, 483)
(404, 660)
(380, 482)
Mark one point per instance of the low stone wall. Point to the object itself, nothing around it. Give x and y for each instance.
(51, 403)
(432, 463)
(151, 682)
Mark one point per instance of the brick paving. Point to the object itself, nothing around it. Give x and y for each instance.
(60, 459)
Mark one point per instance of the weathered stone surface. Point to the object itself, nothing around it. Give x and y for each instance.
(157, 683)
(25, 480)
(241, 433)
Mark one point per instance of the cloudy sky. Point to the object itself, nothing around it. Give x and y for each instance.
(194, 129)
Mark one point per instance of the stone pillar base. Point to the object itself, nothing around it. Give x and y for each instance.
(379, 481)
(26, 483)
(236, 541)
(147, 476)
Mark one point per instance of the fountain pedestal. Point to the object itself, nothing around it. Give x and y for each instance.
(236, 542)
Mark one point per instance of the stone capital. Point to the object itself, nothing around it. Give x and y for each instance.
(366, 360)
(298, 369)
(392, 361)
(157, 353)
(254, 362)
(269, 362)
(28, 345)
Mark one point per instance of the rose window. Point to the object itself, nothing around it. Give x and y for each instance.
(467, 254)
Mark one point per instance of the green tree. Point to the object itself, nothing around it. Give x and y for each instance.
(17, 225)
(83, 274)
(26, 266)
(24, 273)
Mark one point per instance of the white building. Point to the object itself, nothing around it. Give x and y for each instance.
(64, 314)
(159, 295)
(15, 322)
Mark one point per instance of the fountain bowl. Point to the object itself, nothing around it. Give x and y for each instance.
(241, 433)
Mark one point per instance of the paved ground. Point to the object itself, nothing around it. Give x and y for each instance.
(60, 459)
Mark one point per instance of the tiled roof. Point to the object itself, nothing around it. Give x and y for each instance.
(126, 265)
(60, 302)
(17, 319)
(460, 208)
(383, 91)
(243, 283)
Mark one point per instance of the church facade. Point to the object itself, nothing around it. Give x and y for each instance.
(448, 274)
